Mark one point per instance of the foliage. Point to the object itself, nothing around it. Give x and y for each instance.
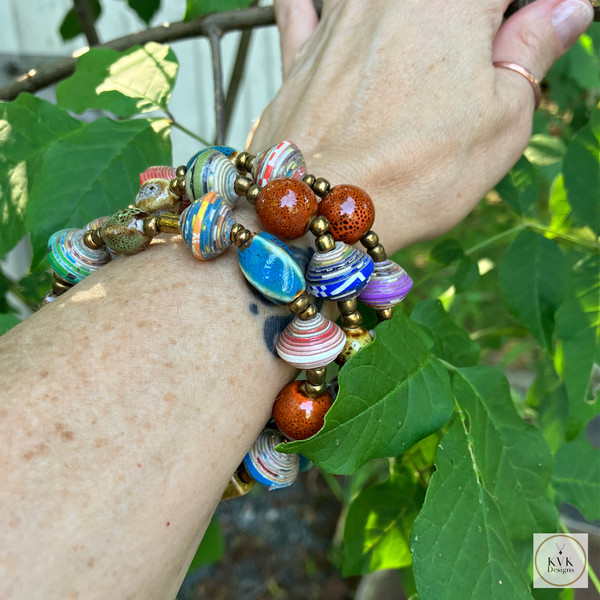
(475, 466)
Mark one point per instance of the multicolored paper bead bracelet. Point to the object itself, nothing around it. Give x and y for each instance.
(196, 201)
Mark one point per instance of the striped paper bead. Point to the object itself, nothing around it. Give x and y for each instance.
(282, 160)
(310, 344)
(339, 274)
(388, 285)
(158, 172)
(269, 467)
(205, 226)
(211, 171)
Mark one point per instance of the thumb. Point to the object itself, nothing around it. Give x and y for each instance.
(296, 21)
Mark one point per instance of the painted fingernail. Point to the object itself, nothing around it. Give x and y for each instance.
(570, 19)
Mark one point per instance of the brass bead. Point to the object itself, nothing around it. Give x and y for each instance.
(174, 186)
(240, 161)
(181, 171)
(242, 237)
(92, 239)
(60, 286)
(316, 376)
(151, 225)
(353, 319)
(347, 306)
(314, 390)
(235, 229)
(299, 303)
(309, 312)
(325, 243)
(370, 239)
(239, 484)
(250, 162)
(309, 179)
(378, 253)
(252, 193)
(319, 226)
(168, 223)
(242, 184)
(321, 186)
(181, 185)
(384, 314)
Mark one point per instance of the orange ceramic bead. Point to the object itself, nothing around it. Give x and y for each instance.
(296, 414)
(350, 212)
(285, 207)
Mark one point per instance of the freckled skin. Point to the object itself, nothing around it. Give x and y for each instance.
(297, 415)
(285, 207)
(350, 212)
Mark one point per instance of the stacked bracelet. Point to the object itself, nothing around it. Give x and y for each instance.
(197, 202)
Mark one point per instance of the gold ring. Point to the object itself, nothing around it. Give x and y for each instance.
(535, 84)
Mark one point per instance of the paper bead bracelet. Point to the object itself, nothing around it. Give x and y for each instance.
(196, 201)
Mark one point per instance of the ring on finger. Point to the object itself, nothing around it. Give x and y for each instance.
(535, 84)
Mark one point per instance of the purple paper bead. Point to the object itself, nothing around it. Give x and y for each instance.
(388, 286)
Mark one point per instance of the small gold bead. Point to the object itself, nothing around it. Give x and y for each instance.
(239, 484)
(309, 312)
(181, 171)
(316, 376)
(299, 303)
(347, 306)
(384, 314)
(352, 320)
(92, 239)
(378, 253)
(250, 162)
(319, 225)
(235, 229)
(321, 186)
(370, 239)
(168, 223)
(174, 186)
(309, 179)
(181, 185)
(60, 286)
(242, 237)
(252, 193)
(242, 184)
(325, 243)
(314, 390)
(151, 225)
(240, 161)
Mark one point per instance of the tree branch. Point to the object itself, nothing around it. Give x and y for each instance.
(85, 15)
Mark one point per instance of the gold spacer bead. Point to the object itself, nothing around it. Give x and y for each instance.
(353, 319)
(250, 162)
(316, 376)
(93, 240)
(168, 223)
(319, 225)
(309, 179)
(151, 226)
(252, 193)
(181, 185)
(378, 253)
(174, 186)
(385, 314)
(370, 239)
(308, 313)
(314, 390)
(60, 286)
(235, 229)
(240, 161)
(325, 242)
(181, 171)
(242, 237)
(347, 306)
(321, 186)
(242, 184)
(299, 303)
(239, 484)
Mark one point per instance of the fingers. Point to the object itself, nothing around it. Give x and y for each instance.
(535, 37)
(296, 21)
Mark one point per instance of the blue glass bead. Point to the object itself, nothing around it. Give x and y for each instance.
(211, 171)
(268, 264)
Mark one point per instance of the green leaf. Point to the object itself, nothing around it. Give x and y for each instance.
(451, 343)
(8, 322)
(447, 251)
(392, 394)
(138, 80)
(145, 9)
(585, 66)
(582, 175)
(70, 27)
(199, 8)
(559, 206)
(532, 275)
(577, 477)
(466, 275)
(379, 524)
(33, 288)
(104, 161)
(28, 127)
(545, 150)
(520, 188)
(211, 547)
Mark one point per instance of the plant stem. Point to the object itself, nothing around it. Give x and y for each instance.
(179, 126)
(591, 573)
(334, 486)
(563, 236)
(491, 241)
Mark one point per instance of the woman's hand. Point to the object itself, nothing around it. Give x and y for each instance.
(402, 99)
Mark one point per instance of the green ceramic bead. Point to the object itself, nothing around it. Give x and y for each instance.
(124, 233)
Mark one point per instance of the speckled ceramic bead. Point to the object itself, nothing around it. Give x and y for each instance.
(338, 274)
(350, 212)
(268, 264)
(282, 160)
(311, 343)
(156, 197)
(70, 258)
(285, 207)
(269, 467)
(388, 286)
(206, 225)
(123, 232)
(356, 338)
(296, 414)
(211, 171)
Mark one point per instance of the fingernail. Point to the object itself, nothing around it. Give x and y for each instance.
(570, 19)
